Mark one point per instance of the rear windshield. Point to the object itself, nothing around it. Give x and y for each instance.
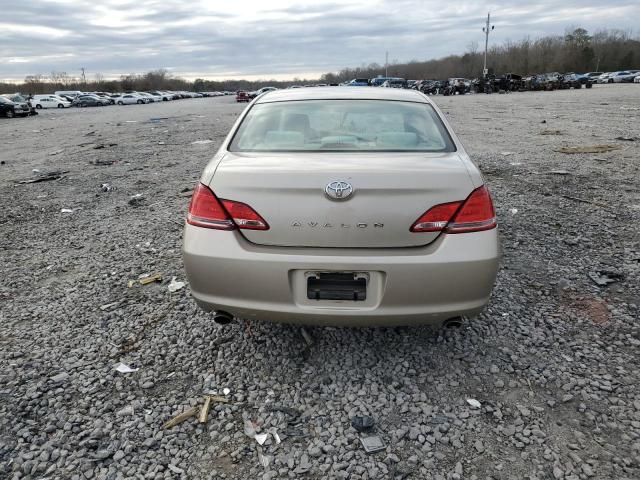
(341, 125)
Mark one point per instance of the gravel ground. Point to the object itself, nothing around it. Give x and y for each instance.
(553, 361)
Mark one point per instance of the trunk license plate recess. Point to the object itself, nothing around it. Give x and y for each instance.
(337, 286)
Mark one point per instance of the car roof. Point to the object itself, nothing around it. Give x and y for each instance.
(343, 93)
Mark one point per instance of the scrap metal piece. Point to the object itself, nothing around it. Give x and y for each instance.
(372, 444)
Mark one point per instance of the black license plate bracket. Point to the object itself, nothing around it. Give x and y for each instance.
(337, 286)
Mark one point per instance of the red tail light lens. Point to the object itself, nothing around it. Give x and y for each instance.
(206, 210)
(244, 216)
(475, 214)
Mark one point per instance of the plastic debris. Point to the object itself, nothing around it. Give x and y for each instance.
(603, 278)
(474, 403)
(124, 368)
(174, 286)
(513, 211)
(201, 142)
(261, 438)
(136, 199)
(106, 187)
(362, 423)
(66, 210)
(372, 444)
(226, 391)
(506, 154)
(274, 434)
(250, 429)
(56, 152)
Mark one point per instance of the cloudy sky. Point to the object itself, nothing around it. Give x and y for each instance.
(271, 39)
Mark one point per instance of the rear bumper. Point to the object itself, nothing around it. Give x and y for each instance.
(451, 277)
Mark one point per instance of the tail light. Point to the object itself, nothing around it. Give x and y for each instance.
(475, 214)
(206, 210)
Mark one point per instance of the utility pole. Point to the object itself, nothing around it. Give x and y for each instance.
(84, 79)
(486, 31)
(386, 64)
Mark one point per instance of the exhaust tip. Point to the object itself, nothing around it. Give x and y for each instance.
(455, 322)
(222, 318)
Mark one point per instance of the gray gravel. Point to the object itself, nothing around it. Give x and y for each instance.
(553, 361)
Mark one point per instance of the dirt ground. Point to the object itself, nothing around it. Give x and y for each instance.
(553, 360)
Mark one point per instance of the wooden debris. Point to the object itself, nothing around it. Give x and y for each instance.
(191, 412)
(156, 277)
(551, 132)
(589, 149)
(204, 411)
(219, 399)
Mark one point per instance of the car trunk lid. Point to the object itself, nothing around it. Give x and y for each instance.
(390, 191)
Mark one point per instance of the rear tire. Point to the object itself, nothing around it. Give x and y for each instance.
(38, 106)
(59, 105)
(120, 103)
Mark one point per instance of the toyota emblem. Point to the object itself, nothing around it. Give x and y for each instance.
(339, 190)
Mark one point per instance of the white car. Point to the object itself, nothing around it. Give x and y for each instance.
(637, 79)
(49, 101)
(129, 99)
(604, 78)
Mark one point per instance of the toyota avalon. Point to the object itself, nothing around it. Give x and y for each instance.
(341, 206)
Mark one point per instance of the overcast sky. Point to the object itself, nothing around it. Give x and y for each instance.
(276, 39)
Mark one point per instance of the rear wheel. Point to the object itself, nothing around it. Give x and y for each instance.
(120, 102)
(59, 105)
(38, 106)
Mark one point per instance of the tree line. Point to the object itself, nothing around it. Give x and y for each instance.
(575, 51)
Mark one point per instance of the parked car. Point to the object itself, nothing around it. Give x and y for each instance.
(70, 93)
(590, 76)
(164, 96)
(358, 82)
(22, 104)
(260, 91)
(625, 77)
(636, 79)
(604, 78)
(242, 96)
(89, 101)
(49, 101)
(11, 109)
(395, 83)
(352, 206)
(129, 99)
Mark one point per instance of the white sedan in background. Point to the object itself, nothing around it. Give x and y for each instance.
(49, 101)
(129, 99)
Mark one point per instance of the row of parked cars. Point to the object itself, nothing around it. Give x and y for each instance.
(621, 76)
(17, 105)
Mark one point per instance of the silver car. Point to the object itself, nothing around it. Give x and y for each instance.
(341, 206)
